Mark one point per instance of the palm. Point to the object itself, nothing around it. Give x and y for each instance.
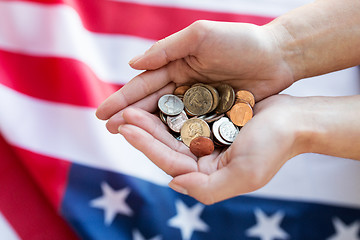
(168, 153)
(242, 164)
(242, 55)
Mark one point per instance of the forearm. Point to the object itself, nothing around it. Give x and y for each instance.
(330, 125)
(320, 37)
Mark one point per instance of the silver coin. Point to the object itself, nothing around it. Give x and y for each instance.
(170, 105)
(176, 122)
(215, 130)
(228, 131)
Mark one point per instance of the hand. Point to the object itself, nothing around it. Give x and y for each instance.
(263, 145)
(243, 55)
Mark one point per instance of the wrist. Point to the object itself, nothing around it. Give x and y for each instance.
(308, 129)
(319, 37)
(327, 125)
(289, 45)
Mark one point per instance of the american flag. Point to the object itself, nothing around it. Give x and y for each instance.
(63, 176)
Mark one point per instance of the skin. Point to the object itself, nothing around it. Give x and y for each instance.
(315, 39)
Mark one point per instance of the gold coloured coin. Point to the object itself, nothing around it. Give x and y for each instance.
(227, 98)
(240, 113)
(198, 100)
(214, 93)
(193, 128)
(246, 96)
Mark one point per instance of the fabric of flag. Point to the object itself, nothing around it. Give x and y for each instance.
(64, 176)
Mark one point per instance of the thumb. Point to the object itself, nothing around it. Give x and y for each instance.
(171, 48)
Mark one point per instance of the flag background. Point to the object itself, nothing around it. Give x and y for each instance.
(63, 176)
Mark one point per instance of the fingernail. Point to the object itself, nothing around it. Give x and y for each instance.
(119, 129)
(135, 59)
(178, 188)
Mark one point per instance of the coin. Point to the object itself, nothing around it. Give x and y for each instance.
(212, 118)
(240, 113)
(176, 122)
(198, 100)
(216, 132)
(215, 95)
(193, 128)
(170, 105)
(246, 96)
(201, 146)
(227, 98)
(162, 117)
(181, 90)
(228, 131)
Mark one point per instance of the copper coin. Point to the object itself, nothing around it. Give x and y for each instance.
(170, 105)
(201, 146)
(198, 100)
(181, 90)
(246, 96)
(193, 128)
(241, 113)
(176, 122)
(227, 98)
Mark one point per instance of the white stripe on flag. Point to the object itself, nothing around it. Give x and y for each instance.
(56, 30)
(317, 178)
(7, 232)
(70, 133)
(73, 133)
(271, 8)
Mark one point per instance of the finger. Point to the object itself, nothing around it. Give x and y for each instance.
(148, 104)
(136, 89)
(225, 183)
(170, 161)
(154, 126)
(176, 46)
(209, 163)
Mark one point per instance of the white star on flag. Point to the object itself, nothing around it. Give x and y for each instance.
(344, 232)
(267, 228)
(138, 236)
(112, 202)
(188, 219)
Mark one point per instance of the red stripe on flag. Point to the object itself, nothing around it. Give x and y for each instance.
(61, 80)
(24, 205)
(49, 173)
(152, 22)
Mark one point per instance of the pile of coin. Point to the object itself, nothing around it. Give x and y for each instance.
(204, 117)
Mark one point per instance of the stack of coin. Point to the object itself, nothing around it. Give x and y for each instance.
(242, 111)
(200, 99)
(196, 115)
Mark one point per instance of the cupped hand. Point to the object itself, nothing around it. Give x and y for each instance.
(242, 55)
(263, 145)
